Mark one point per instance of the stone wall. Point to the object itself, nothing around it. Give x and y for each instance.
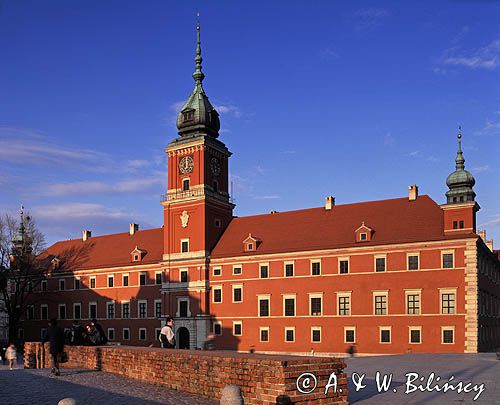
(263, 379)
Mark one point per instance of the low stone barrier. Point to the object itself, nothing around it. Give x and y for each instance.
(263, 379)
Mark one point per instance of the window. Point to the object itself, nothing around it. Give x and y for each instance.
(158, 278)
(218, 223)
(142, 279)
(43, 333)
(237, 293)
(62, 285)
(289, 334)
(343, 266)
(264, 271)
(380, 303)
(184, 276)
(157, 308)
(455, 224)
(125, 280)
(363, 236)
(316, 334)
(92, 310)
(110, 310)
(142, 334)
(30, 312)
(237, 269)
(461, 224)
(237, 328)
(92, 282)
(111, 281)
(315, 304)
(264, 334)
(184, 245)
(77, 311)
(125, 310)
(217, 294)
(344, 301)
(385, 334)
(111, 333)
(315, 268)
(218, 328)
(217, 271)
(185, 185)
(62, 311)
(349, 334)
(183, 308)
(415, 334)
(413, 262)
(77, 283)
(447, 260)
(379, 264)
(448, 302)
(249, 246)
(413, 303)
(44, 285)
(44, 312)
(136, 258)
(264, 305)
(187, 115)
(157, 333)
(142, 309)
(447, 334)
(289, 305)
(288, 269)
(126, 334)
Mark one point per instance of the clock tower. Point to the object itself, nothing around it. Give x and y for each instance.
(197, 208)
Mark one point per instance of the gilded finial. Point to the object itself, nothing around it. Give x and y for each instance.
(459, 135)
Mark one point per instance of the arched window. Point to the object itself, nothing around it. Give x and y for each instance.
(185, 185)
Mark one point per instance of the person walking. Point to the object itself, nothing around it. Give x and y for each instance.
(55, 337)
(11, 355)
(167, 335)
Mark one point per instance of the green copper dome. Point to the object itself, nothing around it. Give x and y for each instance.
(460, 182)
(197, 115)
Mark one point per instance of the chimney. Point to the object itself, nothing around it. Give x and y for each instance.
(86, 234)
(412, 192)
(133, 228)
(329, 202)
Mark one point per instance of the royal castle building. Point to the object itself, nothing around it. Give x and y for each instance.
(391, 276)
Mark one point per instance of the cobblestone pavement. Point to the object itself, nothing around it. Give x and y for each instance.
(39, 387)
(475, 368)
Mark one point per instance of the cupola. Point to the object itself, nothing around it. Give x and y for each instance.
(197, 116)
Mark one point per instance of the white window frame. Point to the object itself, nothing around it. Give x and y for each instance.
(108, 304)
(90, 282)
(185, 271)
(123, 280)
(62, 282)
(263, 297)
(241, 328)
(375, 257)
(188, 245)
(444, 328)
(380, 329)
(261, 329)
(342, 294)
(315, 295)
(123, 333)
(349, 328)
(344, 259)
(142, 273)
(41, 312)
(121, 309)
(289, 328)
(217, 268)
(312, 261)
(290, 296)
(238, 266)
(111, 277)
(410, 328)
(161, 277)
(90, 304)
(77, 304)
(292, 262)
(316, 328)
(408, 260)
(59, 306)
(218, 288)
(233, 287)
(268, 270)
(444, 252)
(114, 334)
(217, 323)
(145, 334)
(154, 307)
(377, 293)
(139, 302)
(443, 291)
(413, 292)
(183, 299)
(75, 281)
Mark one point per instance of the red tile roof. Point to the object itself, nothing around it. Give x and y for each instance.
(110, 250)
(393, 221)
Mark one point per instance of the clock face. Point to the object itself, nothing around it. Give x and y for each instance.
(186, 165)
(215, 166)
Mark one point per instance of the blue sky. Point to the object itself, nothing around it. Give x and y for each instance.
(352, 99)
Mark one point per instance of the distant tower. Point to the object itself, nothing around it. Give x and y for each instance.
(460, 182)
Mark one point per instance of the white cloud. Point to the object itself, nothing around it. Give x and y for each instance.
(62, 212)
(228, 109)
(367, 19)
(266, 197)
(480, 169)
(487, 57)
(288, 152)
(490, 128)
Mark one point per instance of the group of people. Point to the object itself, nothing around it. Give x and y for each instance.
(90, 335)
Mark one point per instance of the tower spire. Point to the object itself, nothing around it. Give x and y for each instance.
(459, 160)
(198, 75)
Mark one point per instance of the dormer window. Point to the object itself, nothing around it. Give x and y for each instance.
(364, 233)
(251, 243)
(185, 185)
(188, 116)
(137, 254)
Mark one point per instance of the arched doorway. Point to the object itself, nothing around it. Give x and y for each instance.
(183, 340)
